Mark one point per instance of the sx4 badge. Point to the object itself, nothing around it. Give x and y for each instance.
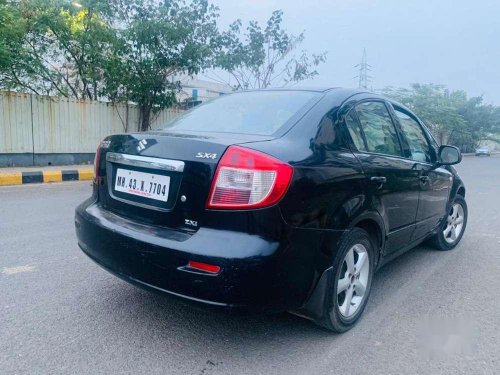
(206, 155)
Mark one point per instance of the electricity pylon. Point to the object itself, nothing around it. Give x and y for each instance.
(364, 68)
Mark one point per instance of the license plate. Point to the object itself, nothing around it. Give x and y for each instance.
(147, 185)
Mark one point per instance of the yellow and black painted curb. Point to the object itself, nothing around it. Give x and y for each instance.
(21, 178)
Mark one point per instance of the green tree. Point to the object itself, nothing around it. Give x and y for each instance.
(451, 116)
(120, 50)
(12, 31)
(135, 51)
(262, 57)
(59, 48)
(434, 105)
(157, 43)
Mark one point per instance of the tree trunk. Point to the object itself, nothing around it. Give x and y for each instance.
(145, 117)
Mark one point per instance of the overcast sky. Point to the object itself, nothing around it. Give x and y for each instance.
(454, 43)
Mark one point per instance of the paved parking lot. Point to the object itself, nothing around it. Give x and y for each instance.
(430, 312)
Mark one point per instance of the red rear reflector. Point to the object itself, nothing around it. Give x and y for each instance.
(203, 267)
(248, 179)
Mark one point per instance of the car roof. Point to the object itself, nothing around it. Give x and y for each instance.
(296, 88)
(339, 94)
(312, 88)
(336, 94)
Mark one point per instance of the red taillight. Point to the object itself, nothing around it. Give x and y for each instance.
(248, 179)
(203, 267)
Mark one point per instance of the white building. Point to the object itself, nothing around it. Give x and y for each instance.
(198, 90)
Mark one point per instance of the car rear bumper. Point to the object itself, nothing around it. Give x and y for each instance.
(256, 274)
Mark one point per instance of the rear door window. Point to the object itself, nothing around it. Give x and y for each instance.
(355, 131)
(380, 134)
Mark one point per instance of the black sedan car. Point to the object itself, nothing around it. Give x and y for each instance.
(273, 200)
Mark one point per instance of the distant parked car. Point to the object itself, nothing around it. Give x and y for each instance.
(279, 200)
(483, 151)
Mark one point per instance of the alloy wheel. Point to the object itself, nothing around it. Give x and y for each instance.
(454, 223)
(353, 280)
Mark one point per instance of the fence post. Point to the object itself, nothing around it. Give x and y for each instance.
(32, 131)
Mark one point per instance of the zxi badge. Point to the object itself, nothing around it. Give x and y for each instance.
(192, 223)
(206, 155)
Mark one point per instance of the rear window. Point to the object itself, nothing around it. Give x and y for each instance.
(253, 112)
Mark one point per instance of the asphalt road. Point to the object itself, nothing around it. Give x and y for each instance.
(430, 312)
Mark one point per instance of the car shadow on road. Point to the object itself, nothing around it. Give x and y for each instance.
(156, 321)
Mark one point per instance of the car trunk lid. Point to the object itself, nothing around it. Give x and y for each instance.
(162, 178)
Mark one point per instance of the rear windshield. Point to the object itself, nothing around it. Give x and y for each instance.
(253, 112)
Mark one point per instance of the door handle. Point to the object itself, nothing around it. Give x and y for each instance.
(379, 180)
(424, 179)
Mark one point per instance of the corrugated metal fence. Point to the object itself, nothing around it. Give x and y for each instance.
(49, 125)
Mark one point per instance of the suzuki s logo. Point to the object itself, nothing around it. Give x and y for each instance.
(141, 145)
(206, 155)
(105, 144)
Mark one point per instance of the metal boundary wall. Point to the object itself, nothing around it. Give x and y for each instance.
(44, 125)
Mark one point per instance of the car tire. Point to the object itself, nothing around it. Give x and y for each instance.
(356, 245)
(444, 240)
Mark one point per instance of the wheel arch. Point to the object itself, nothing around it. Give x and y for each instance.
(456, 188)
(315, 307)
(373, 223)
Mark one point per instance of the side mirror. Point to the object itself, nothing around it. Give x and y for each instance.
(449, 155)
